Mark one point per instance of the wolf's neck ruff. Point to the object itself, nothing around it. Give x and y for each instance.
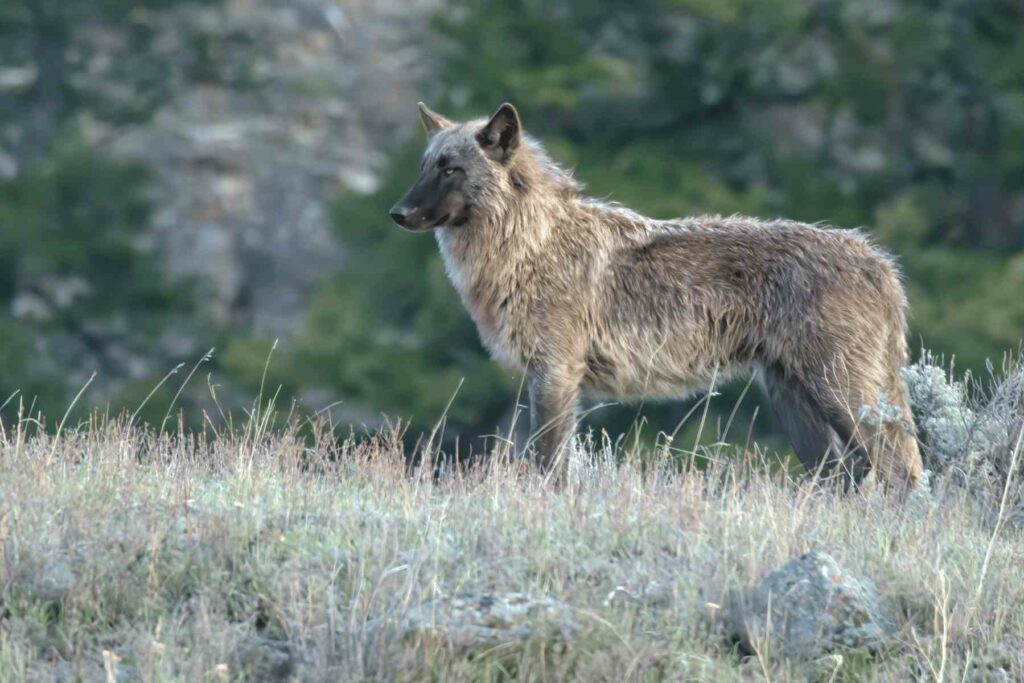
(490, 260)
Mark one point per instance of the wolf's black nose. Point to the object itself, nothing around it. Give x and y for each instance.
(399, 214)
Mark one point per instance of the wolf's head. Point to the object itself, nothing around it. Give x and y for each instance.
(463, 163)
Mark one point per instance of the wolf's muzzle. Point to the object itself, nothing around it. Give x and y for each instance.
(400, 215)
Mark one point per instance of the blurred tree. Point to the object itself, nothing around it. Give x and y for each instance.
(38, 34)
(78, 292)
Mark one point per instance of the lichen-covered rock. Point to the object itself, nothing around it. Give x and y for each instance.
(970, 432)
(942, 413)
(53, 581)
(806, 609)
(40, 579)
(958, 436)
(469, 621)
(995, 665)
(265, 659)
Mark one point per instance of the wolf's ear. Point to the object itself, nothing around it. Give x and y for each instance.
(432, 121)
(500, 137)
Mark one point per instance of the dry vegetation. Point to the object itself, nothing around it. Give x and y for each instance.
(255, 554)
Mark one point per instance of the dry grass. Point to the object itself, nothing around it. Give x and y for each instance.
(257, 555)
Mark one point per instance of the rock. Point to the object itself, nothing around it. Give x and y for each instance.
(468, 621)
(993, 665)
(807, 609)
(53, 582)
(265, 659)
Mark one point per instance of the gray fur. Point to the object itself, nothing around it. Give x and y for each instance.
(589, 297)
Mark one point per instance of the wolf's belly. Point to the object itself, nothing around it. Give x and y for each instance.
(641, 366)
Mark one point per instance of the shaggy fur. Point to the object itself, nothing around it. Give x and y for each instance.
(589, 297)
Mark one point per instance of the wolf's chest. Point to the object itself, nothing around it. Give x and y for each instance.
(502, 318)
(495, 286)
(502, 313)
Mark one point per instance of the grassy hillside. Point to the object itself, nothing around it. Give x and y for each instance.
(253, 554)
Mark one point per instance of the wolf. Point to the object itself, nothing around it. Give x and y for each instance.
(589, 298)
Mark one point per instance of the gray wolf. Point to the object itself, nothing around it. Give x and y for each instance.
(589, 298)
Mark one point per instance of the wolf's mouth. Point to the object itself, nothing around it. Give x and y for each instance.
(462, 218)
(441, 221)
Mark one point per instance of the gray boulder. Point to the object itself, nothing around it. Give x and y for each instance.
(806, 609)
(469, 621)
(53, 581)
(266, 659)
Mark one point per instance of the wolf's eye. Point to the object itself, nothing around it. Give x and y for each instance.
(449, 170)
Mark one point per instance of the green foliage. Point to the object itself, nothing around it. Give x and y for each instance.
(79, 290)
(76, 286)
(52, 14)
(47, 36)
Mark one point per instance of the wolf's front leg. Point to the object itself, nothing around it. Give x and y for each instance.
(553, 398)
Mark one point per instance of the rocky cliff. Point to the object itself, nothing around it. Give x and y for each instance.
(251, 114)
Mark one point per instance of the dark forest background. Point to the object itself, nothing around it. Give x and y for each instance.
(904, 118)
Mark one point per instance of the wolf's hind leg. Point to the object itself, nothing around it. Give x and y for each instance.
(810, 430)
(889, 445)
